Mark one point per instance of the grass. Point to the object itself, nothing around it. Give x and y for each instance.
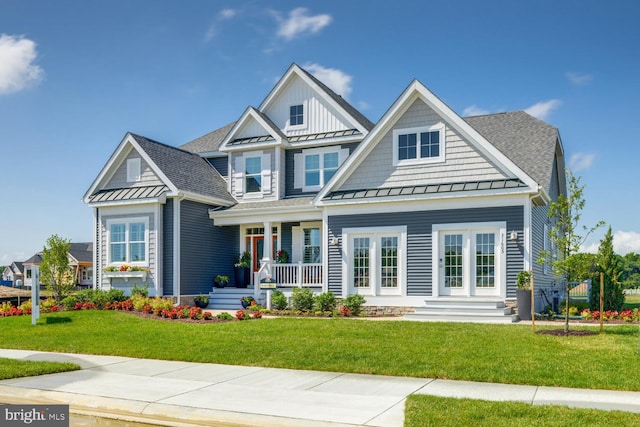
(473, 352)
(632, 301)
(424, 411)
(12, 368)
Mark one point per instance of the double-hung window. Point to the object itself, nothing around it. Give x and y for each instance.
(418, 145)
(253, 174)
(314, 167)
(311, 246)
(128, 241)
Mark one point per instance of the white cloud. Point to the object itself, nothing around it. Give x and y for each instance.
(581, 161)
(6, 259)
(223, 15)
(626, 241)
(337, 80)
(474, 110)
(578, 78)
(17, 68)
(543, 108)
(300, 22)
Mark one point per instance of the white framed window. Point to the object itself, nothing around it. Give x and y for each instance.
(252, 174)
(133, 170)
(307, 242)
(296, 115)
(419, 145)
(375, 260)
(128, 241)
(314, 167)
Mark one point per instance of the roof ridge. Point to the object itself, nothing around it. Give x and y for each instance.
(153, 141)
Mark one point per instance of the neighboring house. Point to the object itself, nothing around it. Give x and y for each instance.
(80, 257)
(423, 206)
(14, 273)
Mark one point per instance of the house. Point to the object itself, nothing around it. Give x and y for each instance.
(424, 206)
(80, 257)
(13, 273)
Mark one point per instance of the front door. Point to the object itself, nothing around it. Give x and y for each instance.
(255, 245)
(470, 262)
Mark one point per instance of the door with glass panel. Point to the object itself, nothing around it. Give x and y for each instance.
(375, 264)
(469, 263)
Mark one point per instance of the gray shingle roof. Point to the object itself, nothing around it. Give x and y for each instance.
(368, 124)
(210, 142)
(82, 251)
(529, 142)
(186, 170)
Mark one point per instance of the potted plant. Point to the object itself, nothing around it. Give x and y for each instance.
(247, 301)
(282, 257)
(241, 271)
(220, 281)
(201, 301)
(523, 294)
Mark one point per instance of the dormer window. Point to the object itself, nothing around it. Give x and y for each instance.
(419, 145)
(253, 175)
(296, 115)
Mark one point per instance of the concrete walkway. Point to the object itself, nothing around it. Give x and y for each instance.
(183, 394)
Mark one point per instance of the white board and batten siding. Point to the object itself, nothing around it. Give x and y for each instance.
(463, 162)
(319, 116)
(119, 178)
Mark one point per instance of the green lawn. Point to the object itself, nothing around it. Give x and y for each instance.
(12, 368)
(632, 301)
(424, 411)
(475, 352)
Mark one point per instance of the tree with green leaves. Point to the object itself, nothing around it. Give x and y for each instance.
(55, 272)
(609, 264)
(630, 271)
(567, 235)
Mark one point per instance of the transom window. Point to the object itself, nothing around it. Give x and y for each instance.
(419, 145)
(128, 241)
(253, 175)
(296, 115)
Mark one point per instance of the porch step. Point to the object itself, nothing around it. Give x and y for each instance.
(477, 310)
(228, 298)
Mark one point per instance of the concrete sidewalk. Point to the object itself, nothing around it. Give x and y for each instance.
(182, 393)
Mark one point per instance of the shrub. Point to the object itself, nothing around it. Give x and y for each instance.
(48, 306)
(158, 304)
(326, 302)
(278, 300)
(302, 299)
(224, 316)
(114, 295)
(69, 302)
(142, 290)
(139, 302)
(354, 303)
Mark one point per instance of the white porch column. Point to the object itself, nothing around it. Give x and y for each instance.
(268, 243)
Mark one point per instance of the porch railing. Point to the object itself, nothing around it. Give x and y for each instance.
(292, 275)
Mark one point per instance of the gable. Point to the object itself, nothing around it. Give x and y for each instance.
(119, 179)
(463, 162)
(319, 116)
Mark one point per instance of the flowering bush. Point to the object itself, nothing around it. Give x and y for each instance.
(282, 257)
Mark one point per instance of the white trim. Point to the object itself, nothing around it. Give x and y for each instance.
(305, 117)
(419, 160)
(469, 230)
(375, 234)
(159, 258)
(97, 246)
(300, 166)
(250, 113)
(127, 221)
(527, 239)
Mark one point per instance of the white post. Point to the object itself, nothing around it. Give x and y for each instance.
(267, 248)
(300, 278)
(35, 294)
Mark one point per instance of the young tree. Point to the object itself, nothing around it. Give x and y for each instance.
(609, 264)
(567, 235)
(55, 272)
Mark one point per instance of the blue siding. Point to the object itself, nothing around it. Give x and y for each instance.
(419, 245)
(167, 248)
(286, 242)
(221, 164)
(289, 189)
(205, 250)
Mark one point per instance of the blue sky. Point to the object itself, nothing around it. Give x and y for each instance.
(75, 76)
